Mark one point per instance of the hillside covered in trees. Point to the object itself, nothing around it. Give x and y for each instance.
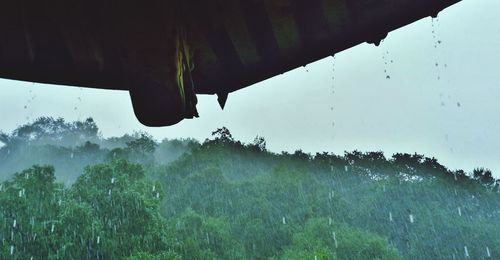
(68, 193)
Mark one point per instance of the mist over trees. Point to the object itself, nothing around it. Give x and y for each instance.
(69, 193)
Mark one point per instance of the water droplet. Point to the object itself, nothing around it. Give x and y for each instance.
(458, 104)
(388, 77)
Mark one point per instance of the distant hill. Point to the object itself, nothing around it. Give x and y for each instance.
(135, 198)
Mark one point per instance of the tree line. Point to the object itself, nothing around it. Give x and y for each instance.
(135, 198)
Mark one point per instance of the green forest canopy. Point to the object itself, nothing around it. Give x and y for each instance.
(69, 193)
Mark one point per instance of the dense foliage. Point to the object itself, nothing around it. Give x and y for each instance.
(222, 199)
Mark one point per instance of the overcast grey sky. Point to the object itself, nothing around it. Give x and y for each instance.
(439, 101)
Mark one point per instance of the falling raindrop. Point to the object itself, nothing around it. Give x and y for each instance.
(466, 252)
(11, 250)
(390, 216)
(109, 192)
(329, 221)
(14, 224)
(112, 180)
(52, 228)
(157, 195)
(72, 155)
(345, 168)
(284, 221)
(335, 239)
(459, 211)
(411, 218)
(488, 253)
(315, 257)
(154, 187)
(98, 239)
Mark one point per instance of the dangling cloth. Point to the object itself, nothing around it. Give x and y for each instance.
(184, 77)
(184, 65)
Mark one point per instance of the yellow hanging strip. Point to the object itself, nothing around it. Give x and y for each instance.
(180, 45)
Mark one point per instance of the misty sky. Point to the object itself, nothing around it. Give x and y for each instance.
(439, 101)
